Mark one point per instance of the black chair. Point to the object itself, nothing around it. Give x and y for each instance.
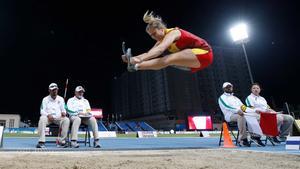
(231, 127)
(87, 135)
(53, 132)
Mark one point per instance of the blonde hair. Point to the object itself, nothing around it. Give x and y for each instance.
(153, 21)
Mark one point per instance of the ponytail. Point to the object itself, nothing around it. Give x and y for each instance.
(153, 21)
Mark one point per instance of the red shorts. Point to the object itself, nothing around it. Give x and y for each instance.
(204, 57)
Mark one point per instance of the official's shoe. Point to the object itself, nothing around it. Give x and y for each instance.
(41, 145)
(275, 140)
(97, 144)
(244, 143)
(63, 144)
(257, 141)
(282, 139)
(74, 144)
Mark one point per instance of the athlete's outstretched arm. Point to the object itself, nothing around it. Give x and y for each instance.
(160, 48)
(136, 59)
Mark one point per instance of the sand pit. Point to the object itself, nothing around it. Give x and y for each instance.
(155, 159)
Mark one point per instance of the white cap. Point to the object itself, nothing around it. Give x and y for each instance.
(226, 84)
(79, 88)
(53, 86)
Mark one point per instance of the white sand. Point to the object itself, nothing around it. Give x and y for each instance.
(155, 159)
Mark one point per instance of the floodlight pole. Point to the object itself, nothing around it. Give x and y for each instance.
(248, 65)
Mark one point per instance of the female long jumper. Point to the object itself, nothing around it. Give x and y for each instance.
(186, 49)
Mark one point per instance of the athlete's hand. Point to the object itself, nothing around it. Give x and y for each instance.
(124, 58)
(135, 60)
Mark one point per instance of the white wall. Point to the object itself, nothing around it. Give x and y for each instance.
(13, 118)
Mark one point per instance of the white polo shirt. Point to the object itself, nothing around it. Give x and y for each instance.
(229, 105)
(75, 106)
(258, 102)
(53, 106)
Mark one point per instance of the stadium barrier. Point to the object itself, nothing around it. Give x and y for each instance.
(146, 134)
(28, 130)
(102, 134)
(292, 143)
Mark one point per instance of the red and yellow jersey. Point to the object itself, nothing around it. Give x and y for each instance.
(187, 40)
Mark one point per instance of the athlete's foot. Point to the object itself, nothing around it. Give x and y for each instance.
(130, 67)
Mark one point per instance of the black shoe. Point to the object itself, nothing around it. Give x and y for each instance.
(275, 140)
(244, 143)
(97, 144)
(63, 144)
(282, 139)
(66, 145)
(41, 145)
(257, 141)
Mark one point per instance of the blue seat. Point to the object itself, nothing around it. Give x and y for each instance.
(146, 127)
(122, 126)
(133, 126)
(101, 126)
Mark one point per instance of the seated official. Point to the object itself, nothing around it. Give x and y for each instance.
(234, 110)
(284, 121)
(53, 111)
(79, 106)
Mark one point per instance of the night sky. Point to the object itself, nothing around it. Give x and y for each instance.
(49, 41)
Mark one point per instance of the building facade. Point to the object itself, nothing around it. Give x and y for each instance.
(10, 120)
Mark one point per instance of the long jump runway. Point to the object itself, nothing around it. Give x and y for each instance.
(117, 144)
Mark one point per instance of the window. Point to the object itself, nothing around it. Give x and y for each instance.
(11, 123)
(3, 123)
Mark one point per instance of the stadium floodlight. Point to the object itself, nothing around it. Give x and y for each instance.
(239, 34)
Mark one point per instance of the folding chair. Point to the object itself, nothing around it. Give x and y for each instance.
(296, 129)
(87, 135)
(53, 132)
(231, 127)
(268, 125)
